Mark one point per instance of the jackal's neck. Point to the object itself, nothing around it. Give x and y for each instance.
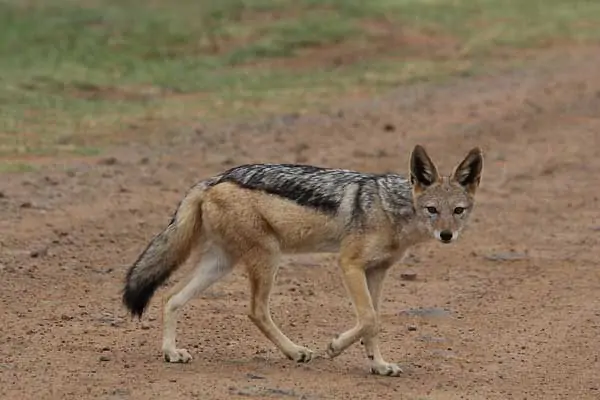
(396, 197)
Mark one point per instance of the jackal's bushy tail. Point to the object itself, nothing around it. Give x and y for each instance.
(165, 253)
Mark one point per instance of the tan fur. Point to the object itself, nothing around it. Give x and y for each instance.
(241, 214)
(252, 228)
(188, 225)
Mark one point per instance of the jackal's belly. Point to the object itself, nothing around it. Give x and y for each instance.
(310, 245)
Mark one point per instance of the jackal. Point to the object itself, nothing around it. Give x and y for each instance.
(251, 214)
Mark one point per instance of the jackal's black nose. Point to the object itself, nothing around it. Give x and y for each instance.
(446, 236)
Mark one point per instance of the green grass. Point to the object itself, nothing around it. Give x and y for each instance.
(77, 75)
(16, 167)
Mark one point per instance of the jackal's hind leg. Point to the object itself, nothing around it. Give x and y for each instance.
(213, 266)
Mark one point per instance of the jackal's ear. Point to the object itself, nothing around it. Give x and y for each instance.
(468, 172)
(423, 172)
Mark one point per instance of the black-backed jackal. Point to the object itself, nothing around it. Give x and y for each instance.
(252, 214)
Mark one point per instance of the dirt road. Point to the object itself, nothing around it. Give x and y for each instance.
(512, 311)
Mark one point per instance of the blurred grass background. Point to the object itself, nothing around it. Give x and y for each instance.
(77, 76)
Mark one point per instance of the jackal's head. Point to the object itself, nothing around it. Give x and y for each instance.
(443, 203)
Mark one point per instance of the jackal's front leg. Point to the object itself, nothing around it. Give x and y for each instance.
(363, 276)
(379, 366)
(366, 324)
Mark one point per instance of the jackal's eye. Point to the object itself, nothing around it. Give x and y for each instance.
(459, 210)
(432, 210)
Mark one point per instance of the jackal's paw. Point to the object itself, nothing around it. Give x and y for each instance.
(333, 350)
(300, 354)
(386, 369)
(177, 356)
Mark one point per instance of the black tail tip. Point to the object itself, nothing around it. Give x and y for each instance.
(136, 301)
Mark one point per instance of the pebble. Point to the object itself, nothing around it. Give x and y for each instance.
(408, 276)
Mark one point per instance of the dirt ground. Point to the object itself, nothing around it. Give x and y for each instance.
(511, 311)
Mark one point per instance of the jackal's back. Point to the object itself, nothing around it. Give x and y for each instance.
(320, 188)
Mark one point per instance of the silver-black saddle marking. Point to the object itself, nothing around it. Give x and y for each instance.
(320, 188)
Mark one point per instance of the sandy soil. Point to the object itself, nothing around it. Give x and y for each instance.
(511, 311)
